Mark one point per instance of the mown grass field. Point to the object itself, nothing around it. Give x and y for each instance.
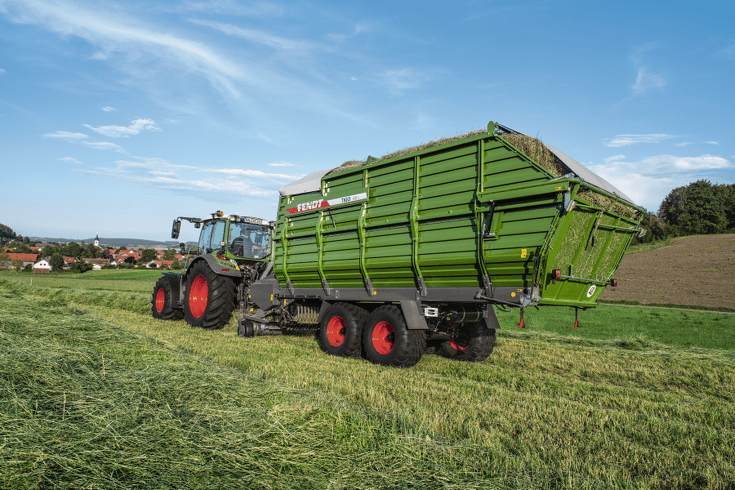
(95, 393)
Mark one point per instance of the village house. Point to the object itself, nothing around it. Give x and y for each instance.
(28, 259)
(42, 266)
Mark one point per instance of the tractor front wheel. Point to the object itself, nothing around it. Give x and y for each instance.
(161, 301)
(340, 331)
(388, 341)
(208, 298)
(473, 342)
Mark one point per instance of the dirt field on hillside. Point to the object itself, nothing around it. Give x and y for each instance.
(697, 271)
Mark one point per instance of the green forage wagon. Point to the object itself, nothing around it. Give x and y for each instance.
(417, 248)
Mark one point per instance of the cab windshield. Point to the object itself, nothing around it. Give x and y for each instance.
(248, 241)
(213, 233)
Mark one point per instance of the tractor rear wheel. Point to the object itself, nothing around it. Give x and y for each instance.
(161, 301)
(388, 341)
(208, 298)
(473, 342)
(340, 332)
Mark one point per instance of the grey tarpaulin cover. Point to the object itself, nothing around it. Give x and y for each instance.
(308, 183)
(587, 175)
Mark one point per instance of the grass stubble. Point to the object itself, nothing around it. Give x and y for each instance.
(97, 394)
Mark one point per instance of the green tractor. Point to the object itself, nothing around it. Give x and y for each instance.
(232, 252)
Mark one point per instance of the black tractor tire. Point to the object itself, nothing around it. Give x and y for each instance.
(472, 342)
(161, 301)
(340, 332)
(389, 342)
(208, 298)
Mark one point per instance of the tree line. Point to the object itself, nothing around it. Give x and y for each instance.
(699, 208)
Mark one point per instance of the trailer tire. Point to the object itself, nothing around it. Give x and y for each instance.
(389, 342)
(474, 343)
(340, 332)
(208, 298)
(161, 301)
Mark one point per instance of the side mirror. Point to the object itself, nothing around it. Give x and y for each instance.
(182, 246)
(175, 229)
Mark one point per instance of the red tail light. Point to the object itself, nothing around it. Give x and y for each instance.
(614, 283)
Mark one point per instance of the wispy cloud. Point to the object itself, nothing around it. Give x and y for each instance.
(234, 8)
(136, 127)
(160, 173)
(356, 30)
(103, 145)
(70, 160)
(66, 135)
(115, 32)
(646, 81)
(281, 164)
(712, 143)
(399, 80)
(631, 139)
(2, 70)
(108, 109)
(259, 37)
(684, 143)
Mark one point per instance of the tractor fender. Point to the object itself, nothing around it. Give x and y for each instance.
(174, 281)
(222, 267)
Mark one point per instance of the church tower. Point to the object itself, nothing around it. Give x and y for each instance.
(97, 241)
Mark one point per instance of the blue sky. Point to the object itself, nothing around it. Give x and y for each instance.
(117, 117)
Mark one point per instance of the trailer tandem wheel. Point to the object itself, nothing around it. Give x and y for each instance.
(209, 298)
(161, 301)
(473, 342)
(388, 341)
(340, 332)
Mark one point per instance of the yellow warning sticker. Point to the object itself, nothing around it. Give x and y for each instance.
(524, 253)
(512, 295)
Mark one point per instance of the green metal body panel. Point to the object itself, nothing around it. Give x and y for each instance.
(445, 217)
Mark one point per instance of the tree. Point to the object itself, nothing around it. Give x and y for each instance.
(148, 255)
(4, 260)
(72, 249)
(169, 255)
(696, 209)
(129, 260)
(26, 240)
(17, 264)
(57, 262)
(176, 264)
(80, 266)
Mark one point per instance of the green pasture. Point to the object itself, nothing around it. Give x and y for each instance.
(133, 280)
(95, 393)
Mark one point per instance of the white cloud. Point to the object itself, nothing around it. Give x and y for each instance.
(251, 173)
(2, 71)
(631, 139)
(160, 173)
(114, 32)
(649, 180)
(614, 158)
(401, 79)
(646, 81)
(66, 135)
(108, 109)
(233, 8)
(70, 160)
(104, 146)
(258, 37)
(281, 165)
(136, 127)
(712, 142)
(684, 143)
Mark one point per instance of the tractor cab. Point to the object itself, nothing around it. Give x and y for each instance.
(239, 238)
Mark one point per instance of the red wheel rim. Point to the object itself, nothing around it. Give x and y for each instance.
(160, 299)
(198, 296)
(457, 346)
(383, 337)
(336, 331)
